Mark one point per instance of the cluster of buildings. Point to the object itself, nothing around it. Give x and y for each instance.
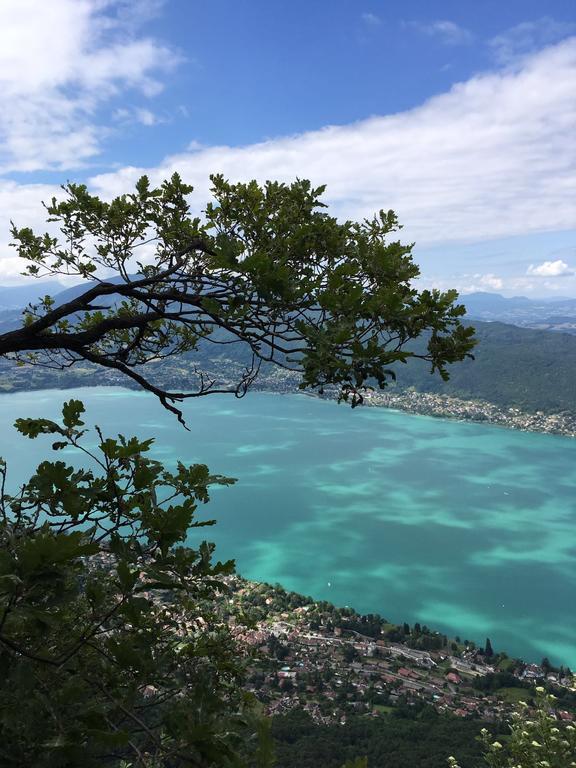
(474, 410)
(173, 373)
(299, 654)
(332, 673)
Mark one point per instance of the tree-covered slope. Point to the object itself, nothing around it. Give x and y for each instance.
(512, 367)
(422, 739)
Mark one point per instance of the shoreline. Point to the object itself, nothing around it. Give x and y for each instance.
(411, 401)
(407, 401)
(413, 661)
(455, 408)
(474, 411)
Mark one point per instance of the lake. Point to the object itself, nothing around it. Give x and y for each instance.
(468, 528)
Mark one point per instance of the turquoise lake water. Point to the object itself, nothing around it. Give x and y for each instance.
(468, 528)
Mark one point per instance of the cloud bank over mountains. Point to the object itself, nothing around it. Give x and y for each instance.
(494, 157)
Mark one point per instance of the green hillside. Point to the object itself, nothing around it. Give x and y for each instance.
(520, 367)
(513, 367)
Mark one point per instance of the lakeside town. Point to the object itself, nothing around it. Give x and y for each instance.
(446, 407)
(443, 406)
(281, 381)
(175, 374)
(333, 663)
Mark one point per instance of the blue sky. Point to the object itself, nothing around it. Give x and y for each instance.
(459, 115)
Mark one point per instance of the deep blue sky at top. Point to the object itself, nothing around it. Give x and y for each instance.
(257, 69)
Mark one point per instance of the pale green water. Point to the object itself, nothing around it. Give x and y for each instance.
(468, 528)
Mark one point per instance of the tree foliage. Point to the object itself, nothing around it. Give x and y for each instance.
(108, 645)
(416, 737)
(536, 740)
(265, 267)
(109, 649)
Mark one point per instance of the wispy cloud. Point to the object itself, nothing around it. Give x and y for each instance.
(21, 203)
(529, 36)
(485, 282)
(465, 283)
(556, 268)
(446, 31)
(62, 61)
(493, 157)
(147, 117)
(530, 283)
(140, 115)
(371, 19)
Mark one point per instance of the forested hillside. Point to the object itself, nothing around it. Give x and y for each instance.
(528, 369)
(512, 367)
(410, 737)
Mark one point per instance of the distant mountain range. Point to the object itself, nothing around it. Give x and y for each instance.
(525, 367)
(18, 296)
(14, 299)
(557, 314)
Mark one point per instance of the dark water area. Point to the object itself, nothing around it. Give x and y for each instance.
(468, 528)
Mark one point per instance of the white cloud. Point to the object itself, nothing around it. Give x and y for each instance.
(556, 268)
(371, 19)
(529, 36)
(448, 32)
(465, 283)
(490, 281)
(147, 117)
(22, 203)
(60, 61)
(137, 115)
(493, 157)
(507, 285)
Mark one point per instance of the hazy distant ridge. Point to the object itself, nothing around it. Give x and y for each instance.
(514, 366)
(558, 314)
